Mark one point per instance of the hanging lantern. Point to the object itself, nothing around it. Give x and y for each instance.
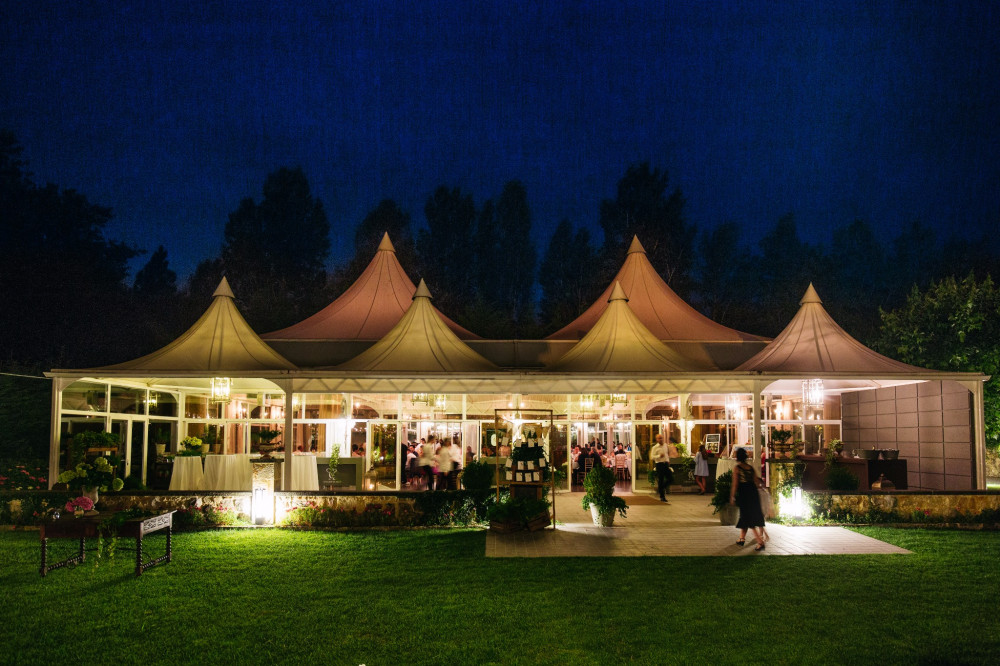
(732, 405)
(152, 401)
(618, 399)
(221, 388)
(421, 398)
(587, 401)
(812, 392)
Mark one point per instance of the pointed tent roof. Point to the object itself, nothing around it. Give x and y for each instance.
(814, 342)
(368, 309)
(419, 342)
(656, 305)
(221, 340)
(619, 342)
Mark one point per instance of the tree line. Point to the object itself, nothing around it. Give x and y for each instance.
(67, 300)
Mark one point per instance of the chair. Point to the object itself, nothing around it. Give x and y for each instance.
(621, 467)
(588, 465)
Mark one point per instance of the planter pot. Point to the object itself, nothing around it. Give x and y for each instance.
(539, 522)
(602, 519)
(161, 449)
(890, 454)
(504, 526)
(729, 515)
(204, 449)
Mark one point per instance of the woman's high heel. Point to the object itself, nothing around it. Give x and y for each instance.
(760, 546)
(741, 542)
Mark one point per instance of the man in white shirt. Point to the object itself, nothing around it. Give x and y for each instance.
(661, 458)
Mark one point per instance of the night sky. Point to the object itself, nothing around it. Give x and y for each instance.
(171, 113)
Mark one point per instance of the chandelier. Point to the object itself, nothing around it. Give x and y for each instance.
(812, 392)
(221, 388)
(438, 401)
(732, 405)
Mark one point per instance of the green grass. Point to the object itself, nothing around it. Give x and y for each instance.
(429, 596)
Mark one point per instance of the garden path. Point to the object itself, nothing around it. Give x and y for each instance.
(684, 527)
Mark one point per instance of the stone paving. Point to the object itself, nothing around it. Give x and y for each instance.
(684, 527)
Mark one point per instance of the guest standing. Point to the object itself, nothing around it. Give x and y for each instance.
(658, 454)
(701, 469)
(744, 494)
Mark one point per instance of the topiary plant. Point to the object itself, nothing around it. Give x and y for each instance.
(478, 475)
(723, 486)
(600, 486)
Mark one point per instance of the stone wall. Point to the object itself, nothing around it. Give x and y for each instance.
(930, 424)
(934, 507)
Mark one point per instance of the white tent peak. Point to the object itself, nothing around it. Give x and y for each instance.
(224, 289)
(635, 246)
(220, 341)
(810, 296)
(619, 342)
(368, 309)
(419, 342)
(422, 291)
(617, 293)
(386, 245)
(813, 342)
(658, 307)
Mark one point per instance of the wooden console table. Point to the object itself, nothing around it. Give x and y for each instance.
(88, 527)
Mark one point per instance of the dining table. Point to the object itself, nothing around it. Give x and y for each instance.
(228, 472)
(305, 474)
(187, 473)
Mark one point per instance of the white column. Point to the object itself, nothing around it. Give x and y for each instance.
(978, 431)
(286, 475)
(758, 387)
(55, 426)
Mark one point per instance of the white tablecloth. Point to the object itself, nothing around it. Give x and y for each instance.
(229, 472)
(305, 475)
(725, 465)
(187, 474)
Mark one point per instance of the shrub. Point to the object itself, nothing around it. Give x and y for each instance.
(838, 477)
(600, 486)
(478, 475)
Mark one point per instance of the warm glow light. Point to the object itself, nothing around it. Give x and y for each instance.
(221, 388)
(732, 405)
(812, 392)
(263, 506)
(795, 506)
(152, 400)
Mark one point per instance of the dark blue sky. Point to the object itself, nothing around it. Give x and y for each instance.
(171, 113)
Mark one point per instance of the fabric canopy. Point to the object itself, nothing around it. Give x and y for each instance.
(368, 309)
(662, 311)
(221, 340)
(814, 342)
(419, 342)
(618, 342)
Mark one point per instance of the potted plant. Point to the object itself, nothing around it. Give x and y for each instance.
(728, 514)
(91, 477)
(600, 497)
(191, 446)
(779, 442)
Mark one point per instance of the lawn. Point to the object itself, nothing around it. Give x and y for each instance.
(429, 596)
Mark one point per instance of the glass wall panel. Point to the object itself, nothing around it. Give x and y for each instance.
(85, 397)
(128, 400)
(384, 455)
(321, 405)
(162, 403)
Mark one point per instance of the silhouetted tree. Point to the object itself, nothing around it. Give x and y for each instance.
(155, 279)
(566, 276)
(389, 218)
(724, 270)
(445, 247)
(274, 252)
(516, 272)
(855, 279)
(642, 207)
(64, 298)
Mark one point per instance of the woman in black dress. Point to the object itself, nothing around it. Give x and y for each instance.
(744, 494)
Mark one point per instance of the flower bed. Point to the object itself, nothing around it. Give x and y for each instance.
(24, 475)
